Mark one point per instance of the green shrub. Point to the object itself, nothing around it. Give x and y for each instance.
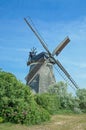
(66, 99)
(49, 102)
(17, 102)
(81, 95)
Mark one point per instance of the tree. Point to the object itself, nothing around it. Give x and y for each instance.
(66, 99)
(81, 95)
(17, 102)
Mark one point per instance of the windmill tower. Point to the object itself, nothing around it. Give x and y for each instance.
(41, 74)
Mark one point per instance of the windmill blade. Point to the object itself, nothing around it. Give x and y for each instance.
(66, 73)
(34, 71)
(34, 30)
(60, 47)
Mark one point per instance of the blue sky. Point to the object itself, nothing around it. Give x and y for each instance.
(55, 19)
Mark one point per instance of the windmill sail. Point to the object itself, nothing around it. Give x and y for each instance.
(37, 35)
(60, 47)
(67, 76)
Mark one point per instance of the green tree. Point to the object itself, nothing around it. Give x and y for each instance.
(66, 99)
(81, 95)
(17, 102)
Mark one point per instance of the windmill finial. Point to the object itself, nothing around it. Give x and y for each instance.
(32, 53)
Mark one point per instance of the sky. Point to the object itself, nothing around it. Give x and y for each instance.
(54, 19)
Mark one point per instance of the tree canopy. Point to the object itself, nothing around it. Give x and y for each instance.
(17, 102)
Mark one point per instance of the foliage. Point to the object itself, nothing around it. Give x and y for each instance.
(81, 95)
(60, 88)
(65, 111)
(48, 101)
(1, 119)
(17, 103)
(66, 99)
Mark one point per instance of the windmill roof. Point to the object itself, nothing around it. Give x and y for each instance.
(37, 57)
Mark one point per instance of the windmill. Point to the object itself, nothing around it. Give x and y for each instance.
(41, 73)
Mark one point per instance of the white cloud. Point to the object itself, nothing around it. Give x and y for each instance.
(23, 49)
(76, 64)
(80, 65)
(15, 49)
(83, 76)
(10, 59)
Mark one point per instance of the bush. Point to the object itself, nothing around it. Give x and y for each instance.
(67, 101)
(81, 95)
(17, 102)
(49, 102)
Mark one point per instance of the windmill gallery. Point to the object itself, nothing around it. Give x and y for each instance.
(41, 74)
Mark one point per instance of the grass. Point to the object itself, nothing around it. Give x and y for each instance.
(58, 122)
